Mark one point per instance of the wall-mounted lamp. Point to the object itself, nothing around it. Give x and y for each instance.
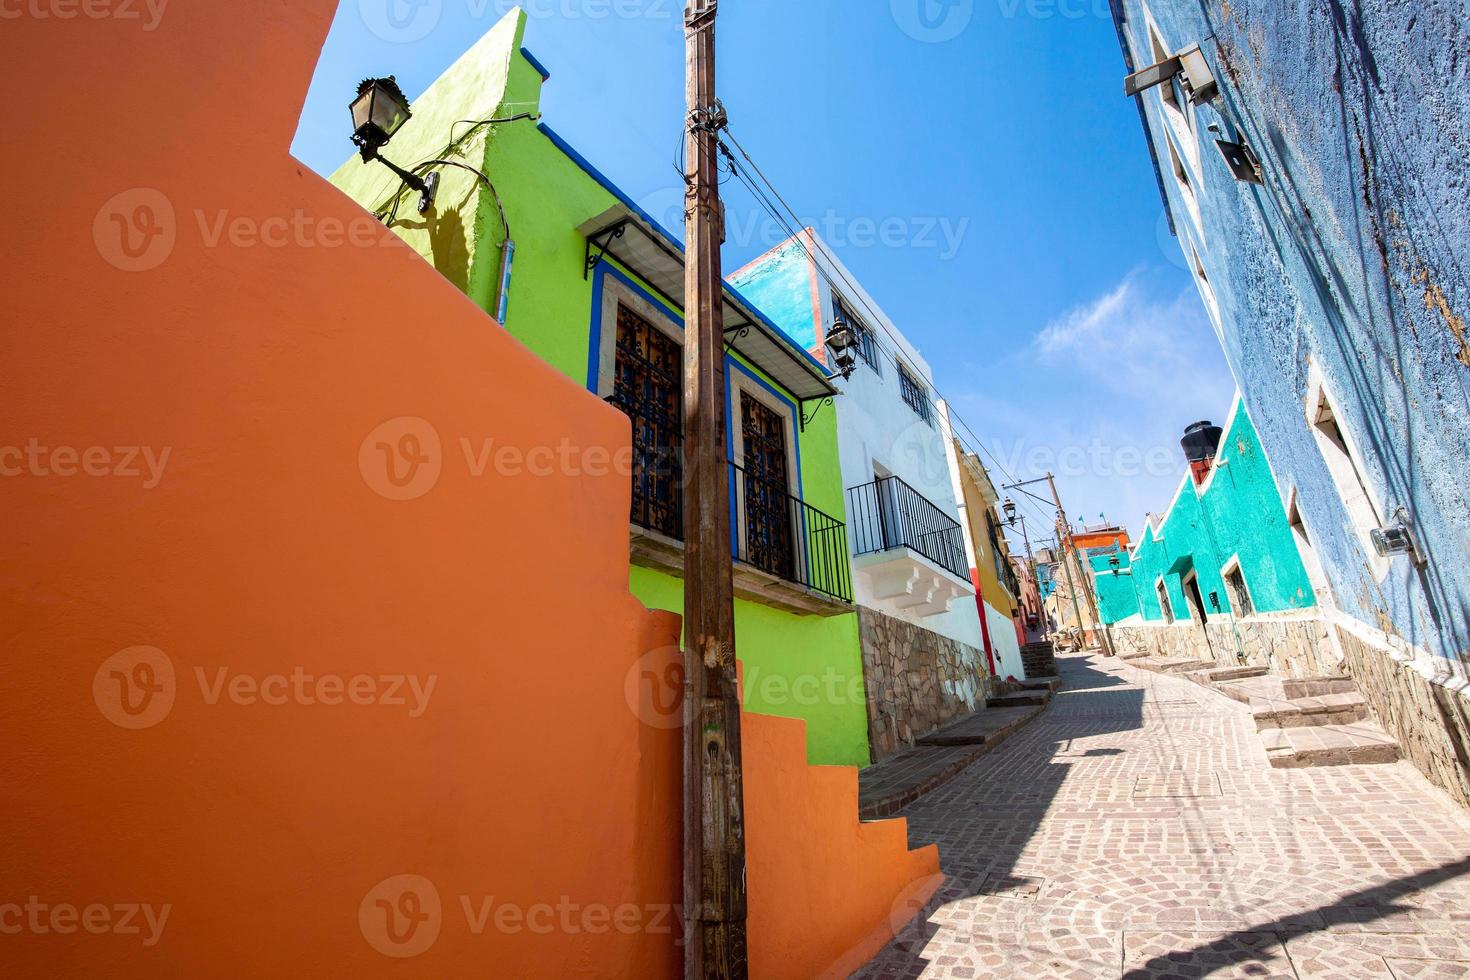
(841, 340)
(378, 112)
(1010, 509)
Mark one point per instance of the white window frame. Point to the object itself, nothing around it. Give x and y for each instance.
(1206, 289)
(1181, 118)
(615, 292)
(743, 386)
(1184, 581)
(1233, 566)
(1166, 604)
(1306, 549)
(1344, 464)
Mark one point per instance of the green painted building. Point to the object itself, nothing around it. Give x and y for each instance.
(593, 284)
(1224, 550)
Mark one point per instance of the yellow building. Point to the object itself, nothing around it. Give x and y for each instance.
(990, 564)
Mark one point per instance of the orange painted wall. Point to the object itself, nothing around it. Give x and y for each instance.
(1116, 537)
(266, 363)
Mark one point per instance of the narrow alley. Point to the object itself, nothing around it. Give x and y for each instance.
(1136, 829)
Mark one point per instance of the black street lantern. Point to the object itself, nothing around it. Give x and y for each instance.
(841, 340)
(378, 112)
(1114, 561)
(1010, 509)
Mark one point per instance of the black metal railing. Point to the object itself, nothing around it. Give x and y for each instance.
(888, 514)
(771, 529)
(785, 536)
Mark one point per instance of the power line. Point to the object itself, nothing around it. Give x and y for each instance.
(853, 289)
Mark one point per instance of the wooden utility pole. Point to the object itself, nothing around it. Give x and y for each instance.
(1065, 528)
(714, 799)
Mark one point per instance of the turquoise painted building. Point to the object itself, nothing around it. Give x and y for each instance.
(1224, 550)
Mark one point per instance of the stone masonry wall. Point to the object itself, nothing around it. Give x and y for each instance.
(1431, 723)
(1299, 647)
(917, 680)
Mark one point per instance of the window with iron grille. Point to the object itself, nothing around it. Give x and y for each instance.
(1165, 606)
(648, 386)
(915, 394)
(864, 343)
(1240, 597)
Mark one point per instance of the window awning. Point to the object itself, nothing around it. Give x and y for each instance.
(640, 246)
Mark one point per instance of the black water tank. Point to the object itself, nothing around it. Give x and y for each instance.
(1201, 441)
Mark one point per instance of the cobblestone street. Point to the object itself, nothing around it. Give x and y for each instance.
(1136, 829)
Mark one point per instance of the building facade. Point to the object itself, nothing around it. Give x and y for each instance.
(594, 285)
(996, 590)
(1311, 161)
(923, 646)
(1218, 574)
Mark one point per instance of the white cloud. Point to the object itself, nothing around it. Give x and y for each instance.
(1154, 350)
(1101, 395)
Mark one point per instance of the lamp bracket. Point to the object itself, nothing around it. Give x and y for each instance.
(601, 241)
(806, 417)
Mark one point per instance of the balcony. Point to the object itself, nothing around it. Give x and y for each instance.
(787, 553)
(910, 553)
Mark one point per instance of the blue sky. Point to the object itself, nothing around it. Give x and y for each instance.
(1022, 247)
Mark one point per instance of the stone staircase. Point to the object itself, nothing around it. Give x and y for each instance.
(1039, 660)
(936, 758)
(1314, 721)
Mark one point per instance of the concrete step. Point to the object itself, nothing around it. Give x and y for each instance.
(1329, 709)
(1250, 689)
(1221, 674)
(1361, 743)
(1311, 687)
(1181, 665)
(983, 727)
(1038, 683)
(1019, 699)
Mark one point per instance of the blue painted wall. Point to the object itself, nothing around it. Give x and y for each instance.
(1350, 261)
(781, 283)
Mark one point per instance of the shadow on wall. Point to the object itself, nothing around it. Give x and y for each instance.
(305, 685)
(1382, 277)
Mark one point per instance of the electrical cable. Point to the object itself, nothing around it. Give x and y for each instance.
(853, 290)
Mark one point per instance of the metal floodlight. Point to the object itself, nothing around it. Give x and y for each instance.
(378, 112)
(1398, 538)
